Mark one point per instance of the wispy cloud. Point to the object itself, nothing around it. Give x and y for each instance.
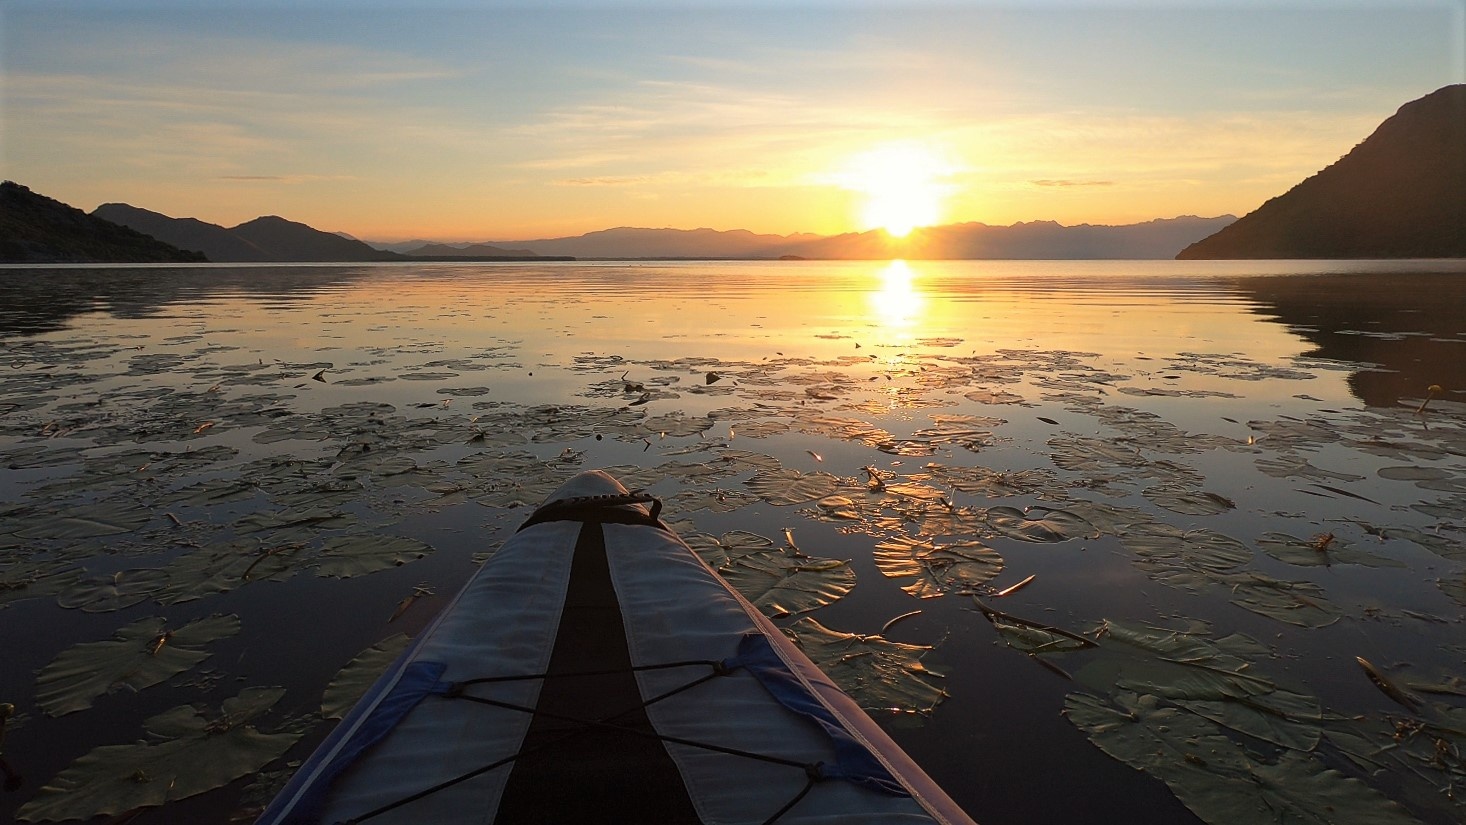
(1068, 183)
(288, 179)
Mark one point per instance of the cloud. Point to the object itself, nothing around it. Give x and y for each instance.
(292, 179)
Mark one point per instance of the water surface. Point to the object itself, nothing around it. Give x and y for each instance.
(1243, 496)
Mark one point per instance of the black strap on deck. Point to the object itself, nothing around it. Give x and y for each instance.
(606, 509)
(596, 774)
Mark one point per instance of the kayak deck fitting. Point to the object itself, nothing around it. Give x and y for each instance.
(596, 670)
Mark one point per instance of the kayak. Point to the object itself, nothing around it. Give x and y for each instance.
(596, 670)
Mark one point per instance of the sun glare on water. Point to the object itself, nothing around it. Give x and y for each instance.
(903, 185)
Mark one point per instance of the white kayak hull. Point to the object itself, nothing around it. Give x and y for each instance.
(600, 671)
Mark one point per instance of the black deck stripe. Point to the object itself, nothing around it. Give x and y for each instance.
(578, 775)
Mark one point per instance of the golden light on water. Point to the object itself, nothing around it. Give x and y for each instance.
(898, 304)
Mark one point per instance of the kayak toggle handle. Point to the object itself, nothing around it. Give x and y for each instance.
(598, 508)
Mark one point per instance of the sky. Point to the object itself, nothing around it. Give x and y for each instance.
(487, 121)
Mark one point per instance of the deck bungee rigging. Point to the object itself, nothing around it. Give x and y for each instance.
(596, 670)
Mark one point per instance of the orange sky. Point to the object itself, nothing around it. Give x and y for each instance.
(510, 122)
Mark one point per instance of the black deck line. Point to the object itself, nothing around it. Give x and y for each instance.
(593, 775)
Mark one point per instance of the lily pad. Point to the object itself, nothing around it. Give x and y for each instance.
(1188, 501)
(107, 593)
(107, 518)
(785, 486)
(1455, 587)
(1047, 526)
(1321, 550)
(1298, 603)
(1162, 548)
(1217, 778)
(221, 568)
(781, 583)
(345, 556)
(187, 752)
(718, 551)
(877, 673)
(937, 569)
(353, 680)
(138, 656)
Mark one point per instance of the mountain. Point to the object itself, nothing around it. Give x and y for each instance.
(291, 241)
(262, 239)
(1037, 240)
(214, 241)
(1399, 194)
(478, 250)
(38, 229)
(631, 242)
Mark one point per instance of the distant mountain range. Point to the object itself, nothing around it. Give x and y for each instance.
(1399, 194)
(1035, 240)
(38, 229)
(275, 239)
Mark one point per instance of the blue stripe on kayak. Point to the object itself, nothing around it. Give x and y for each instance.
(418, 680)
(853, 761)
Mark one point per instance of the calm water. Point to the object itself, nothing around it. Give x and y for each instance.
(1218, 476)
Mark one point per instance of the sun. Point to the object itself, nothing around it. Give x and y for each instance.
(903, 186)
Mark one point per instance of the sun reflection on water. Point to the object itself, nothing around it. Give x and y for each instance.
(898, 306)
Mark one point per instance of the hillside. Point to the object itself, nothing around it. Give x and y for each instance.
(38, 229)
(262, 239)
(214, 241)
(291, 241)
(1399, 194)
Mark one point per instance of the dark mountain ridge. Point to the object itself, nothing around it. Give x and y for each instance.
(1036, 240)
(268, 238)
(1399, 194)
(38, 229)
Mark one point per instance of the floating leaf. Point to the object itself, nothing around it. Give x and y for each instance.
(139, 655)
(1321, 550)
(1455, 587)
(780, 584)
(107, 518)
(30, 579)
(1030, 636)
(107, 593)
(718, 551)
(937, 568)
(993, 483)
(352, 681)
(1298, 603)
(877, 673)
(1161, 548)
(345, 556)
(837, 508)
(221, 568)
(784, 486)
(186, 753)
(1048, 526)
(1187, 501)
(1447, 547)
(1217, 778)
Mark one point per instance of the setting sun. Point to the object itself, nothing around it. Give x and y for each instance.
(903, 186)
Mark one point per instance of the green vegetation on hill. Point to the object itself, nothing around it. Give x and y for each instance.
(37, 229)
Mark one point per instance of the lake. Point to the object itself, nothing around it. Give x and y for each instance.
(1142, 541)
